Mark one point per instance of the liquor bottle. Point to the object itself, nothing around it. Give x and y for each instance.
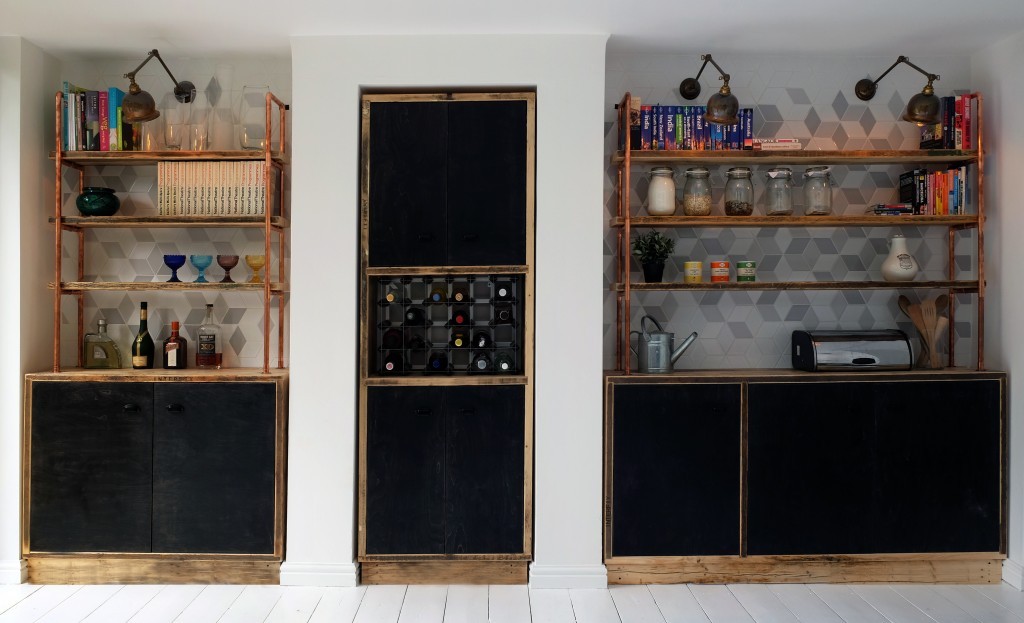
(503, 314)
(393, 363)
(503, 362)
(438, 362)
(414, 317)
(98, 350)
(438, 295)
(142, 347)
(459, 339)
(481, 363)
(460, 316)
(460, 294)
(175, 350)
(208, 353)
(503, 291)
(482, 340)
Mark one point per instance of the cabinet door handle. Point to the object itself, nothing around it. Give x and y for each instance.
(175, 408)
(471, 237)
(423, 411)
(131, 407)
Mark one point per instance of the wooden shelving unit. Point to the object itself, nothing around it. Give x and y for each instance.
(626, 219)
(275, 163)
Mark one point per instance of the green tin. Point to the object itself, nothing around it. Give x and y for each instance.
(746, 271)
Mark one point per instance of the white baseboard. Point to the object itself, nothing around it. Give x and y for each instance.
(319, 574)
(555, 576)
(13, 571)
(1013, 574)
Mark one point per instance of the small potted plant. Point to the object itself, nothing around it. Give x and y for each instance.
(651, 250)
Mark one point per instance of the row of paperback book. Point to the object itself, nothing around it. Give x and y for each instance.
(92, 121)
(230, 188)
(958, 128)
(936, 192)
(684, 128)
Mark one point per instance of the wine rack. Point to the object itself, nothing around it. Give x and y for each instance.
(448, 325)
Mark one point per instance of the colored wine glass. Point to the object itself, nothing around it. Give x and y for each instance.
(174, 262)
(227, 262)
(256, 263)
(201, 262)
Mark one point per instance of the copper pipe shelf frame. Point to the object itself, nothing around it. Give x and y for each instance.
(271, 224)
(624, 220)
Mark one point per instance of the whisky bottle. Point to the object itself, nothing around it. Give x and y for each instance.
(142, 347)
(175, 350)
(98, 350)
(208, 352)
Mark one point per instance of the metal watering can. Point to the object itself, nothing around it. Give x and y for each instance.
(654, 349)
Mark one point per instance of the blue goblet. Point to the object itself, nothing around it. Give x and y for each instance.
(201, 262)
(174, 262)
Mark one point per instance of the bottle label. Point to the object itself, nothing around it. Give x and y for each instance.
(172, 354)
(207, 344)
(98, 353)
(140, 361)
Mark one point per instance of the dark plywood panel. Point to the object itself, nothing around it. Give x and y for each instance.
(676, 470)
(91, 467)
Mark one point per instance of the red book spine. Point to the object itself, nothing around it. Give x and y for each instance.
(968, 142)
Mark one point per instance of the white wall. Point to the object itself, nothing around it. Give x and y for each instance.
(999, 76)
(327, 74)
(27, 79)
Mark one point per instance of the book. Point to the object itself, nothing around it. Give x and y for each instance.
(748, 128)
(114, 98)
(670, 127)
(646, 114)
(634, 123)
(104, 109)
(92, 121)
(658, 140)
(699, 142)
(776, 144)
(958, 123)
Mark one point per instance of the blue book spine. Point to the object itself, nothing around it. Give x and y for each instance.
(670, 127)
(659, 128)
(680, 128)
(698, 128)
(687, 127)
(748, 128)
(707, 128)
(734, 134)
(645, 127)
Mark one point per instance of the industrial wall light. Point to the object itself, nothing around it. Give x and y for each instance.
(922, 109)
(139, 106)
(722, 106)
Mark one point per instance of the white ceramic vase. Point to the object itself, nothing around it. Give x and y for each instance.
(900, 265)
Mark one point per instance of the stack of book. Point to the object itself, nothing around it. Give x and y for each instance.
(92, 120)
(777, 144)
(958, 128)
(892, 209)
(232, 188)
(936, 192)
(684, 128)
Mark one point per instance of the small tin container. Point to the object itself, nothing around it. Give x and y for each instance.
(693, 272)
(719, 272)
(746, 271)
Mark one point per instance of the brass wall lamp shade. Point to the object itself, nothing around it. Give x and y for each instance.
(922, 109)
(139, 106)
(723, 106)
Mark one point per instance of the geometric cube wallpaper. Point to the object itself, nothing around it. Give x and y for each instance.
(792, 97)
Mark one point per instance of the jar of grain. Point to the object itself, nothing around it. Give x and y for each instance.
(739, 192)
(697, 192)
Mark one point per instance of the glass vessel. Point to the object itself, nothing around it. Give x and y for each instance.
(739, 192)
(817, 191)
(256, 263)
(208, 353)
(697, 192)
(201, 262)
(142, 347)
(778, 192)
(252, 117)
(99, 350)
(661, 195)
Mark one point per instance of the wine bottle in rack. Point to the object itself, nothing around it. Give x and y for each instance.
(438, 362)
(503, 314)
(481, 363)
(392, 293)
(482, 339)
(414, 317)
(460, 316)
(503, 362)
(438, 294)
(393, 363)
(503, 291)
(416, 342)
(460, 294)
(459, 339)
(392, 338)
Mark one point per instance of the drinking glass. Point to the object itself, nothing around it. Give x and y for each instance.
(201, 262)
(252, 117)
(199, 122)
(256, 263)
(175, 115)
(197, 137)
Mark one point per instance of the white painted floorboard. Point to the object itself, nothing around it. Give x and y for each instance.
(681, 603)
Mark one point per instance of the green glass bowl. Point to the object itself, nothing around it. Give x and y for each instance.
(97, 201)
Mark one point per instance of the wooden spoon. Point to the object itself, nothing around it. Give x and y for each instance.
(928, 319)
(941, 324)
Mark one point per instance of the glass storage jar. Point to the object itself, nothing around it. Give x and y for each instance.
(778, 191)
(817, 191)
(697, 192)
(661, 194)
(739, 192)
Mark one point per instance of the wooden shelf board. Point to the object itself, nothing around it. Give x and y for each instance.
(70, 287)
(149, 376)
(149, 157)
(386, 271)
(86, 222)
(962, 220)
(958, 286)
(867, 156)
(447, 379)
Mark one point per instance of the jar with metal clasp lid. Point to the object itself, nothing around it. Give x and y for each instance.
(817, 191)
(778, 191)
(661, 194)
(739, 192)
(697, 192)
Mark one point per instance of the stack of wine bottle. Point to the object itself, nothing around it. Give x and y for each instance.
(448, 325)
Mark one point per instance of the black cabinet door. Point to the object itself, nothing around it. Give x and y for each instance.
(484, 447)
(487, 183)
(408, 163)
(874, 467)
(676, 470)
(91, 467)
(405, 470)
(213, 467)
